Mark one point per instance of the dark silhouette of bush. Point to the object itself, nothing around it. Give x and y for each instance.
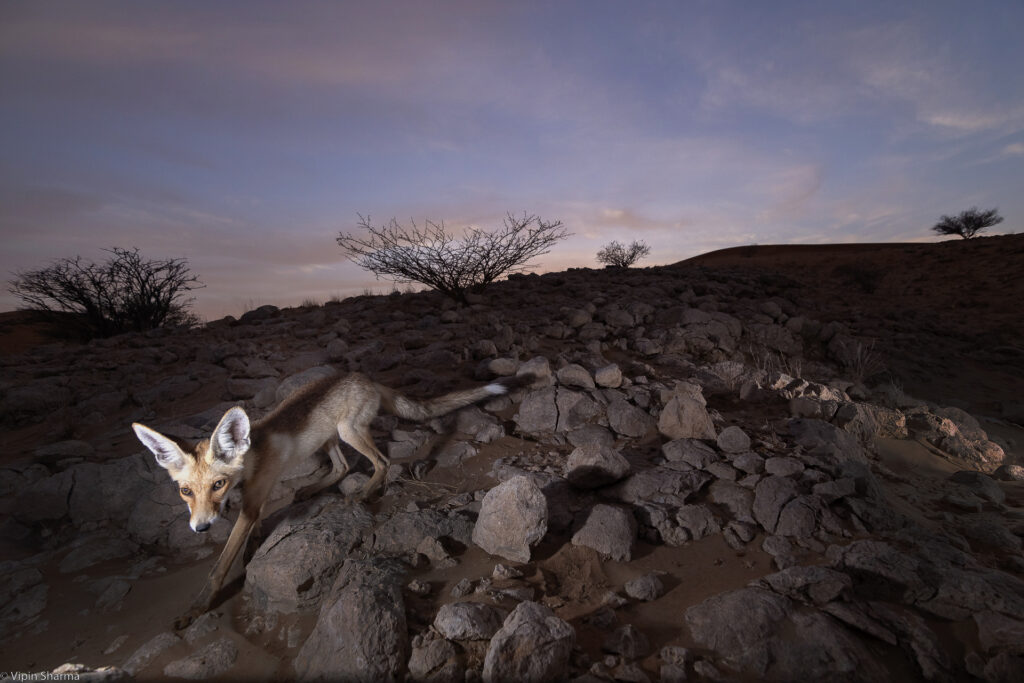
(968, 223)
(620, 256)
(124, 294)
(435, 257)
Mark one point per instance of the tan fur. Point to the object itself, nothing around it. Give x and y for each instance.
(314, 416)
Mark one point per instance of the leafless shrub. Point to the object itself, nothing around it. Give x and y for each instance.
(127, 293)
(968, 223)
(621, 256)
(435, 257)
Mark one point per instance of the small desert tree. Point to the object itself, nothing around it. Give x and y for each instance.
(620, 256)
(436, 257)
(127, 293)
(968, 223)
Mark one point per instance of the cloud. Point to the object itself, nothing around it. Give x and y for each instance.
(790, 190)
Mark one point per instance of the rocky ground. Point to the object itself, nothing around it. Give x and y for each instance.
(763, 465)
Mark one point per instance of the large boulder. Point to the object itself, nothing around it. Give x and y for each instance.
(764, 636)
(513, 517)
(361, 633)
(609, 530)
(685, 415)
(295, 567)
(533, 645)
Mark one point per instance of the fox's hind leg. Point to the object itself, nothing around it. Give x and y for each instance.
(359, 437)
(339, 470)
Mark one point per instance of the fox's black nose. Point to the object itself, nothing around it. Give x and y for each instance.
(202, 527)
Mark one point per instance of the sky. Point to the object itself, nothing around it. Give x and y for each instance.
(245, 136)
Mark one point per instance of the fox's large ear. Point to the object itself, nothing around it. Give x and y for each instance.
(167, 453)
(231, 438)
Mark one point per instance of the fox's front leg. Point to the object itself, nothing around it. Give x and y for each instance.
(203, 602)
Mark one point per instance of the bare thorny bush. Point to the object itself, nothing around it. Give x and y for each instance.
(622, 256)
(127, 293)
(438, 258)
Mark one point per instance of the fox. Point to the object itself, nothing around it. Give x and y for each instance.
(253, 455)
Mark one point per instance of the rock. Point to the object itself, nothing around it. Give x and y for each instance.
(95, 549)
(685, 415)
(629, 420)
(539, 368)
(294, 568)
(698, 521)
(436, 661)
(628, 642)
(239, 388)
(609, 376)
(811, 585)
(609, 530)
(733, 440)
(1006, 472)
(453, 454)
(591, 435)
(482, 427)
(693, 452)
(532, 645)
(575, 409)
(200, 628)
(538, 412)
(751, 463)
(646, 588)
(998, 631)
(257, 314)
(980, 484)
(831, 491)
(762, 635)
(24, 599)
(573, 375)
(799, 518)
(783, 466)
(469, 620)
(361, 632)
(770, 496)
(293, 383)
(830, 445)
(213, 660)
(780, 549)
(513, 517)
(1004, 668)
(403, 532)
(53, 453)
(592, 466)
(649, 483)
(149, 651)
(737, 499)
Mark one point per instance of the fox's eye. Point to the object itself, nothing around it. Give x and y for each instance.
(186, 491)
(219, 484)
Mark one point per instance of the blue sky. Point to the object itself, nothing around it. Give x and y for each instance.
(244, 136)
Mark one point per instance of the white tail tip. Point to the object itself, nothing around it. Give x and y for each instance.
(496, 389)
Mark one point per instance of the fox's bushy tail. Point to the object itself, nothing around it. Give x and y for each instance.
(421, 411)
